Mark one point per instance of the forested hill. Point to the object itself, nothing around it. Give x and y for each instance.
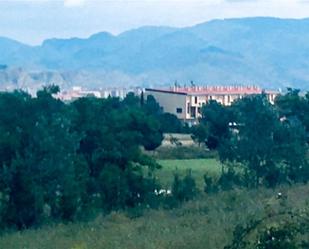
(269, 52)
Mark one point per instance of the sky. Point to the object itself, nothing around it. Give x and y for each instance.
(32, 21)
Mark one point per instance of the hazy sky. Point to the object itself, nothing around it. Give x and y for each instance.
(32, 21)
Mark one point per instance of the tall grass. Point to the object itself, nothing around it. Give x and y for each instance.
(182, 152)
(207, 222)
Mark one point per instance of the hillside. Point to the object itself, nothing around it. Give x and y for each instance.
(269, 52)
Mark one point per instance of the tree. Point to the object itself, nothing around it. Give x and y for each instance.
(293, 148)
(57, 160)
(111, 147)
(169, 123)
(266, 147)
(37, 166)
(200, 133)
(151, 106)
(292, 106)
(216, 118)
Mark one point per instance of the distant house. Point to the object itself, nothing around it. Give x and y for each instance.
(186, 102)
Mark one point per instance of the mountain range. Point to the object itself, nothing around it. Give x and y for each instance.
(269, 52)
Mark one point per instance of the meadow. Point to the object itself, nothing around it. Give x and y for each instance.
(198, 168)
(206, 222)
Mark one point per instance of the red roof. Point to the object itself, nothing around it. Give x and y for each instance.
(213, 90)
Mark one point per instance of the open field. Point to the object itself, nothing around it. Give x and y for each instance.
(198, 168)
(207, 222)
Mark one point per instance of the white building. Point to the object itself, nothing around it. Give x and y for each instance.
(186, 102)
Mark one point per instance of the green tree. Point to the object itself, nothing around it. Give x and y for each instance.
(170, 123)
(37, 163)
(216, 118)
(111, 147)
(293, 106)
(268, 148)
(151, 106)
(200, 133)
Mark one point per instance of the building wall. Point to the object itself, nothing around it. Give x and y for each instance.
(170, 102)
(271, 97)
(192, 103)
(196, 102)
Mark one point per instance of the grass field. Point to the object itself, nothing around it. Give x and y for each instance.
(198, 168)
(207, 222)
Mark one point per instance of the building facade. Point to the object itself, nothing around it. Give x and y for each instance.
(186, 102)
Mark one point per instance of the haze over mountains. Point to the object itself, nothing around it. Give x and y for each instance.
(270, 52)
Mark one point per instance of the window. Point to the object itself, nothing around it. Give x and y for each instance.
(179, 110)
(195, 100)
(188, 108)
(193, 110)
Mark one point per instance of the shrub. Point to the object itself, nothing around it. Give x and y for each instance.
(278, 238)
(210, 185)
(229, 179)
(184, 189)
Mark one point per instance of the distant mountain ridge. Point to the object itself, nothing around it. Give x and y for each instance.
(269, 52)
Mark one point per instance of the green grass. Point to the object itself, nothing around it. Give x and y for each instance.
(207, 222)
(198, 168)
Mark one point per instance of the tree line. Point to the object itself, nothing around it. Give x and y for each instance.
(58, 161)
(65, 161)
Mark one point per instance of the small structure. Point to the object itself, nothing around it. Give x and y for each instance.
(186, 102)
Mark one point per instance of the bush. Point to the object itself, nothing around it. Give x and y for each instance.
(278, 238)
(229, 179)
(184, 189)
(283, 230)
(210, 185)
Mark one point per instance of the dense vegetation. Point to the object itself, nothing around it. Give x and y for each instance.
(267, 143)
(59, 161)
(207, 222)
(68, 162)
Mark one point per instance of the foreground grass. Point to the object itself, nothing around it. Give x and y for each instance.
(198, 168)
(207, 222)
